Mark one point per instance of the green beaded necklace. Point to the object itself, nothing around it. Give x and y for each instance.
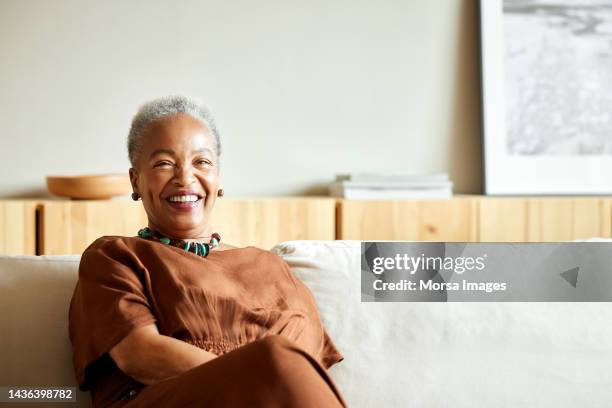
(197, 248)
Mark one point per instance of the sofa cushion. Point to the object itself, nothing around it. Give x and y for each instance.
(454, 354)
(35, 293)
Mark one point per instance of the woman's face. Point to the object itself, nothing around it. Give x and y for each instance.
(177, 176)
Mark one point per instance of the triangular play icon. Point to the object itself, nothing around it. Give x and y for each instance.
(571, 276)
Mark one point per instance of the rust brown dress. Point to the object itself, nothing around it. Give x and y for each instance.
(242, 304)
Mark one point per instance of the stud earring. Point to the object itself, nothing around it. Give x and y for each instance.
(220, 193)
(135, 196)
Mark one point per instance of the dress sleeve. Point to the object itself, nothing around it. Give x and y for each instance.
(109, 301)
(330, 354)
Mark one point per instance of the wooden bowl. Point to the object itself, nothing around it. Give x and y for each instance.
(89, 187)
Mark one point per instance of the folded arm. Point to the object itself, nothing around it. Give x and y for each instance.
(150, 357)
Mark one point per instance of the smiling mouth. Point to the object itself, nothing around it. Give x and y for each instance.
(190, 199)
(186, 202)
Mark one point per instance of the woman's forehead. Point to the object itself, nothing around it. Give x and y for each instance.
(178, 133)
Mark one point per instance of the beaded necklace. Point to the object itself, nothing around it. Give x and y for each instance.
(197, 248)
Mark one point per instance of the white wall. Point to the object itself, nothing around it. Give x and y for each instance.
(301, 90)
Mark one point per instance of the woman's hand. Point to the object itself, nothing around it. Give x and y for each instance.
(150, 357)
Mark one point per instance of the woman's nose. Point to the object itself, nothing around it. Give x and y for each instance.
(184, 175)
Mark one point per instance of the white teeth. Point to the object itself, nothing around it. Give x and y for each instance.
(183, 198)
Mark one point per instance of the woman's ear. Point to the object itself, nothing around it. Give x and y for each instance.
(134, 179)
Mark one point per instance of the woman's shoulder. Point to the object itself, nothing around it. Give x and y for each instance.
(107, 242)
(249, 255)
(112, 249)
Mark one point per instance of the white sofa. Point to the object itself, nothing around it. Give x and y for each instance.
(396, 354)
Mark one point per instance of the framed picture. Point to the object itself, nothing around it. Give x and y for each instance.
(547, 96)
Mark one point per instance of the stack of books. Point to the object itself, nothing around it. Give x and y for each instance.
(363, 186)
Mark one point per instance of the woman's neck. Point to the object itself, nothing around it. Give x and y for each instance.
(203, 235)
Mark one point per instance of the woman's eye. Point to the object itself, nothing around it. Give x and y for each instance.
(204, 162)
(160, 164)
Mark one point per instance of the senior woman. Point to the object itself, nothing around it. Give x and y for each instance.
(175, 318)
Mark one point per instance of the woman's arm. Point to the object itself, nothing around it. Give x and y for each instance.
(150, 357)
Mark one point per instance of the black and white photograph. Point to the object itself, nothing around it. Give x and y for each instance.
(547, 93)
(558, 79)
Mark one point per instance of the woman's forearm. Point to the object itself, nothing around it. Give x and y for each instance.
(166, 357)
(150, 357)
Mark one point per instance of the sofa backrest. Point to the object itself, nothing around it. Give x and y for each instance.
(35, 293)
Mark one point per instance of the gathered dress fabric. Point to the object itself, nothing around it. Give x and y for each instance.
(242, 304)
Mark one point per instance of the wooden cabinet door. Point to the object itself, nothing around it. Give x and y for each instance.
(18, 227)
(548, 219)
(68, 227)
(409, 220)
(266, 222)
(566, 219)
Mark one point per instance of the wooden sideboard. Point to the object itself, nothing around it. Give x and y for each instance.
(51, 227)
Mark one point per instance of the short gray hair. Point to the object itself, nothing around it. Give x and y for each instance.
(166, 106)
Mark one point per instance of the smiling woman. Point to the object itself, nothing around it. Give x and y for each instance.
(173, 317)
